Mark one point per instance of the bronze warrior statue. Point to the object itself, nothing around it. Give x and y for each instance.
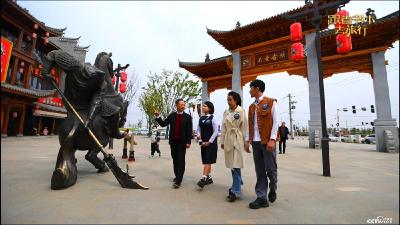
(95, 112)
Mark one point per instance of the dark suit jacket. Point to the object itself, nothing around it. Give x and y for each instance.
(186, 129)
(285, 132)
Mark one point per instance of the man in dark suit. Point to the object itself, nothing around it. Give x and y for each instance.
(283, 135)
(180, 137)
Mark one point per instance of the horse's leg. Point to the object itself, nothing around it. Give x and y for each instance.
(65, 173)
(91, 156)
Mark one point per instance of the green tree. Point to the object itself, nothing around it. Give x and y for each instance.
(163, 89)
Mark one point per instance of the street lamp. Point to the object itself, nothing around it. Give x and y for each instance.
(117, 74)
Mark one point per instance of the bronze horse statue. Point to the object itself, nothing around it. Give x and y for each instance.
(91, 97)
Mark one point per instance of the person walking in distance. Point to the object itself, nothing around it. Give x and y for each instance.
(180, 137)
(155, 138)
(283, 135)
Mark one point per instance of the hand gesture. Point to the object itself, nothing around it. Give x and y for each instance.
(271, 145)
(247, 147)
(206, 144)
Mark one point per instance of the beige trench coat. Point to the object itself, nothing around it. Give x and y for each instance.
(233, 132)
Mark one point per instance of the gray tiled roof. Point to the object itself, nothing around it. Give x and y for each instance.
(36, 93)
(50, 107)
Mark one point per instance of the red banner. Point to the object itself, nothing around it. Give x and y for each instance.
(6, 48)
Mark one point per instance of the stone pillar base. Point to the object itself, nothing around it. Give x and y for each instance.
(380, 127)
(312, 126)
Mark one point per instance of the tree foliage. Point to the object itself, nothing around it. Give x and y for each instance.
(164, 89)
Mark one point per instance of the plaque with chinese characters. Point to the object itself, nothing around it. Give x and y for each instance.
(266, 58)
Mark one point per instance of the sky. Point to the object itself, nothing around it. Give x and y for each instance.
(152, 36)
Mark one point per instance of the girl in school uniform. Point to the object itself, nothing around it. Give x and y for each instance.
(207, 135)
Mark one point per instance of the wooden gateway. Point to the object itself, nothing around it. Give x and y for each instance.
(263, 47)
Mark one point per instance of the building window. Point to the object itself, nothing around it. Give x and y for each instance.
(10, 69)
(9, 32)
(26, 45)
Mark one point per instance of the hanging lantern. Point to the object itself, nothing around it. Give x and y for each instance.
(21, 70)
(46, 40)
(113, 80)
(341, 16)
(47, 34)
(343, 43)
(22, 63)
(34, 35)
(53, 72)
(28, 38)
(122, 87)
(124, 76)
(296, 33)
(297, 51)
(35, 26)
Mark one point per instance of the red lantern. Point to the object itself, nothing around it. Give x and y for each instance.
(113, 80)
(46, 40)
(122, 87)
(53, 72)
(124, 76)
(47, 34)
(297, 51)
(343, 43)
(34, 35)
(296, 33)
(35, 26)
(341, 16)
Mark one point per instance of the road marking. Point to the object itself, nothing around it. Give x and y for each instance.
(352, 189)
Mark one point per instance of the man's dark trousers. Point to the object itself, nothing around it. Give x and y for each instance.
(282, 142)
(178, 152)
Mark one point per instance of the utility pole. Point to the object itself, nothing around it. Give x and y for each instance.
(338, 125)
(316, 21)
(291, 106)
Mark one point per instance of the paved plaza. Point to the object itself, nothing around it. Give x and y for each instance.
(364, 185)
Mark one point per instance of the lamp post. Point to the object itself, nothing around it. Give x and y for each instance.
(316, 20)
(117, 75)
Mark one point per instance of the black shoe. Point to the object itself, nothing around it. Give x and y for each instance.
(202, 182)
(272, 196)
(174, 180)
(209, 180)
(259, 203)
(176, 185)
(231, 197)
(280, 152)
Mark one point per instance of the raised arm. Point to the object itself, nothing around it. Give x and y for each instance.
(162, 122)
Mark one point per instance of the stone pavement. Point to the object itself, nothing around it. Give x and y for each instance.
(364, 185)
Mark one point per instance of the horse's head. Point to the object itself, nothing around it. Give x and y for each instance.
(123, 113)
(104, 62)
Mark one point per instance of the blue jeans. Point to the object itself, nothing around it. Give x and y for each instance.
(237, 181)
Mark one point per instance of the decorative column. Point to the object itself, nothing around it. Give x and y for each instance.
(236, 76)
(204, 94)
(313, 87)
(384, 121)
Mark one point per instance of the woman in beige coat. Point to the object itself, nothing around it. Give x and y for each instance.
(233, 131)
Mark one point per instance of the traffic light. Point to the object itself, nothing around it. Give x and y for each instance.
(372, 109)
(362, 123)
(354, 109)
(363, 109)
(337, 124)
(372, 123)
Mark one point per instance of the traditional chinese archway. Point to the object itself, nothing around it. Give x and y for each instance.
(263, 48)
